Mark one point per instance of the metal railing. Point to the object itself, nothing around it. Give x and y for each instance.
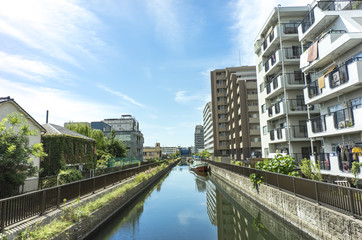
(318, 124)
(308, 20)
(266, 65)
(343, 118)
(292, 53)
(272, 135)
(275, 82)
(313, 89)
(18, 208)
(323, 160)
(299, 131)
(344, 199)
(338, 76)
(290, 28)
(297, 105)
(268, 88)
(279, 133)
(295, 78)
(339, 5)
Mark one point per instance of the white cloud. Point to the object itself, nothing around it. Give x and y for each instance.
(62, 105)
(119, 94)
(31, 69)
(59, 29)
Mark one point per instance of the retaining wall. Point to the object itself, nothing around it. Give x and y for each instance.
(315, 220)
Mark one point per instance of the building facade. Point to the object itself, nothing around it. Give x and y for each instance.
(235, 113)
(208, 130)
(167, 151)
(283, 113)
(243, 114)
(152, 152)
(331, 37)
(127, 130)
(199, 138)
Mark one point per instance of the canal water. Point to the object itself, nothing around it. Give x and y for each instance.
(184, 205)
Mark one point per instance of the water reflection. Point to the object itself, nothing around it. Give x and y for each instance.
(192, 206)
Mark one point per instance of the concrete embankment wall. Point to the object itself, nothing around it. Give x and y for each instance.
(315, 220)
(86, 226)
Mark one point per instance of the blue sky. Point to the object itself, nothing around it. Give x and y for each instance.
(96, 59)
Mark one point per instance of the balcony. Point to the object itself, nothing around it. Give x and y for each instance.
(341, 80)
(276, 110)
(334, 43)
(345, 121)
(292, 81)
(299, 132)
(278, 135)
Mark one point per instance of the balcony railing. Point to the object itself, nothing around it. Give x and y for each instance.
(279, 133)
(273, 59)
(292, 53)
(299, 131)
(270, 111)
(266, 65)
(343, 118)
(318, 124)
(297, 105)
(308, 20)
(338, 76)
(265, 43)
(277, 107)
(268, 88)
(323, 160)
(272, 135)
(271, 35)
(313, 89)
(339, 5)
(290, 28)
(296, 78)
(275, 82)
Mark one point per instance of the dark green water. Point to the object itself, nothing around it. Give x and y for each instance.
(187, 206)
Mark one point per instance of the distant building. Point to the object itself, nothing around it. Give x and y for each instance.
(208, 130)
(8, 105)
(167, 151)
(127, 130)
(152, 152)
(199, 138)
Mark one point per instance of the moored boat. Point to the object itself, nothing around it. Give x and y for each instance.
(199, 166)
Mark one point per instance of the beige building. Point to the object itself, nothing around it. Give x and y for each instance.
(235, 112)
(152, 152)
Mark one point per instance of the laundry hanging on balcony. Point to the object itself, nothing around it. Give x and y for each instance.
(304, 59)
(321, 83)
(313, 52)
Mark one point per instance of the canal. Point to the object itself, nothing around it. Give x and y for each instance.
(184, 205)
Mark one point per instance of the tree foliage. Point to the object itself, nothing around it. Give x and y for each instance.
(310, 170)
(69, 175)
(279, 164)
(16, 155)
(204, 154)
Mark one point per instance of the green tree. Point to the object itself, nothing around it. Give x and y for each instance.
(279, 164)
(81, 128)
(310, 170)
(204, 154)
(115, 146)
(16, 154)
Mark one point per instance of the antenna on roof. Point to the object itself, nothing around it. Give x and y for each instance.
(46, 121)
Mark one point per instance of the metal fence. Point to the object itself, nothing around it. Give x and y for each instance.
(343, 199)
(18, 208)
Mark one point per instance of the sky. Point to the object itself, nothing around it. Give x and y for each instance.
(90, 60)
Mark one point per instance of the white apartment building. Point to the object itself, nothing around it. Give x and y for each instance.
(331, 37)
(208, 131)
(282, 110)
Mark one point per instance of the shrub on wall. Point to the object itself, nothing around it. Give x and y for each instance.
(69, 175)
(65, 149)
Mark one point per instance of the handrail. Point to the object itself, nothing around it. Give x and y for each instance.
(343, 199)
(17, 208)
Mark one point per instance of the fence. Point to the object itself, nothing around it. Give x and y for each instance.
(343, 199)
(18, 208)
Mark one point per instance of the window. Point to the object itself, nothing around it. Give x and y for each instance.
(222, 134)
(252, 92)
(356, 103)
(222, 116)
(261, 87)
(220, 90)
(252, 103)
(263, 108)
(253, 115)
(220, 99)
(265, 130)
(221, 125)
(221, 107)
(260, 66)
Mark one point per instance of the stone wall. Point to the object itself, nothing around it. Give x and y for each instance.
(315, 220)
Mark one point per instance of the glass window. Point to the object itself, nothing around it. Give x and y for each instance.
(265, 130)
(261, 87)
(263, 108)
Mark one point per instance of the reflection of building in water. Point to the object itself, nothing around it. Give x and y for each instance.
(211, 202)
(200, 184)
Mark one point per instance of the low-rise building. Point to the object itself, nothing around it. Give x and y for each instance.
(7, 106)
(167, 151)
(152, 152)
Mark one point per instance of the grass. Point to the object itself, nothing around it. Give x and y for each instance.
(74, 214)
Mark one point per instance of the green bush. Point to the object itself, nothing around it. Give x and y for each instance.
(69, 175)
(310, 170)
(279, 164)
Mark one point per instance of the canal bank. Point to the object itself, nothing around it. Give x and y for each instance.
(316, 221)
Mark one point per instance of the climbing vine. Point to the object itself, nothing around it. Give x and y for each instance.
(65, 149)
